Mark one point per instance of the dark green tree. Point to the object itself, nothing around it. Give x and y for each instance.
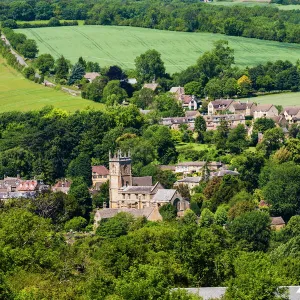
(77, 73)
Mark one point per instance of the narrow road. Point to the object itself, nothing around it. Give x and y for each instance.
(19, 58)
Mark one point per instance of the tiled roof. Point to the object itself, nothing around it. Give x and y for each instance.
(177, 90)
(242, 105)
(277, 221)
(100, 170)
(151, 86)
(91, 75)
(142, 181)
(28, 185)
(164, 195)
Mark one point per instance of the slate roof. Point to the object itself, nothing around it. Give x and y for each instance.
(292, 110)
(262, 107)
(138, 189)
(242, 105)
(277, 221)
(164, 195)
(222, 173)
(221, 102)
(111, 212)
(100, 170)
(192, 113)
(142, 181)
(195, 179)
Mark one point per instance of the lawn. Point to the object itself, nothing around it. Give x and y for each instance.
(18, 93)
(110, 45)
(283, 99)
(194, 146)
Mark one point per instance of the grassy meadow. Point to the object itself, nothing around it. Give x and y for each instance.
(284, 99)
(110, 45)
(18, 93)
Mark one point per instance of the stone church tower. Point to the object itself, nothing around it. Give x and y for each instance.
(119, 175)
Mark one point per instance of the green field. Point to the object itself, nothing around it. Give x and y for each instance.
(256, 3)
(120, 45)
(18, 93)
(283, 99)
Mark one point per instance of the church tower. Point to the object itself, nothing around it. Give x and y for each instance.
(119, 176)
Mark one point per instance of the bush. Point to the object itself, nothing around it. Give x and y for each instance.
(168, 212)
(76, 224)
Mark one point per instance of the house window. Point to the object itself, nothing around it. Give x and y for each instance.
(123, 196)
(144, 196)
(100, 176)
(104, 176)
(136, 196)
(94, 176)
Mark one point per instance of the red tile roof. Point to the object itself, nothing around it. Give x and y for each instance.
(100, 170)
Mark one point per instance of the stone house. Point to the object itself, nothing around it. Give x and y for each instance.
(277, 223)
(191, 182)
(292, 114)
(218, 106)
(191, 167)
(213, 121)
(264, 111)
(62, 186)
(188, 102)
(242, 108)
(100, 175)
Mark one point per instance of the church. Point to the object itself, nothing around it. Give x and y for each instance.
(128, 192)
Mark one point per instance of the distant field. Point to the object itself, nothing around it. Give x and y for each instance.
(284, 99)
(18, 93)
(256, 3)
(110, 45)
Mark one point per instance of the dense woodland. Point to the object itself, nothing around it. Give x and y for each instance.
(255, 22)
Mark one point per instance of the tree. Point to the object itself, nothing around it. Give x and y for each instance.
(200, 127)
(184, 191)
(44, 63)
(149, 66)
(245, 85)
(29, 73)
(76, 224)
(193, 88)
(115, 73)
(214, 88)
(61, 69)
(77, 73)
(29, 49)
(252, 230)
(207, 218)
(115, 226)
(221, 135)
(94, 90)
(144, 98)
(168, 212)
(43, 10)
(54, 22)
(256, 277)
(221, 215)
(81, 167)
(80, 192)
(113, 93)
(230, 88)
(281, 189)
(82, 62)
(263, 124)
(273, 139)
(236, 141)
